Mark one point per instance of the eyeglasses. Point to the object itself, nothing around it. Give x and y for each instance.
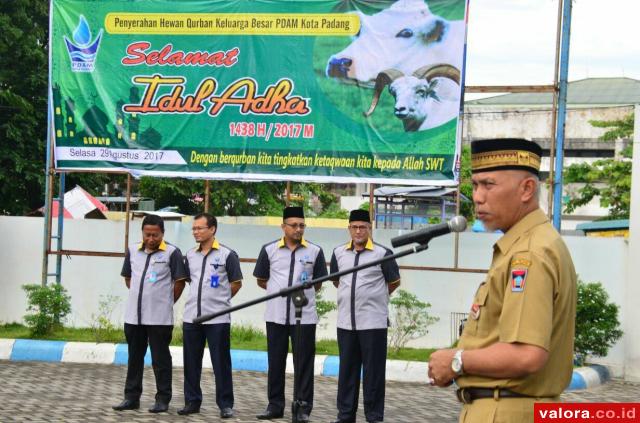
(296, 225)
(358, 227)
(199, 228)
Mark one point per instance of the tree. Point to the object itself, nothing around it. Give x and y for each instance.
(597, 324)
(466, 187)
(228, 198)
(608, 179)
(23, 103)
(410, 319)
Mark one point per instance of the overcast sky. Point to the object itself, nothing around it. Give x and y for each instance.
(513, 41)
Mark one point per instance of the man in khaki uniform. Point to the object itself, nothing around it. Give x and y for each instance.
(517, 346)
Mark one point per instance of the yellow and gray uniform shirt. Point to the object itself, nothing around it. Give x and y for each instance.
(283, 268)
(153, 275)
(363, 296)
(529, 297)
(211, 276)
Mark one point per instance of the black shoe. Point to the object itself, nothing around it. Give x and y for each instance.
(270, 414)
(127, 404)
(159, 407)
(189, 408)
(226, 413)
(303, 417)
(374, 421)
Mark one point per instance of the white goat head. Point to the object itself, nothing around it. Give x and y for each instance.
(406, 36)
(417, 102)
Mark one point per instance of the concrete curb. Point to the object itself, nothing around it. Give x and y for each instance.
(589, 377)
(256, 361)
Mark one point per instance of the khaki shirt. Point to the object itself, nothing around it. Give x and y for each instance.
(529, 297)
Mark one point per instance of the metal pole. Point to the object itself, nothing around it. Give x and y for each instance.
(48, 201)
(60, 227)
(372, 212)
(207, 190)
(48, 167)
(562, 111)
(554, 112)
(127, 213)
(460, 141)
(631, 286)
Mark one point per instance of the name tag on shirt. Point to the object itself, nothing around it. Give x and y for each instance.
(215, 281)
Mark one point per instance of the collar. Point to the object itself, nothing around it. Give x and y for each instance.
(163, 246)
(282, 244)
(368, 245)
(214, 246)
(535, 218)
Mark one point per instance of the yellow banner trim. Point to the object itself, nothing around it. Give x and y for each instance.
(330, 24)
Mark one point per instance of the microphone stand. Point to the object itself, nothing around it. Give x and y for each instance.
(308, 284)
(299, 301)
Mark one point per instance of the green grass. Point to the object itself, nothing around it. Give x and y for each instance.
(242, 338)
(18, 331)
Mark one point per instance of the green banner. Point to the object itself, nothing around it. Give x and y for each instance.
(302, 90)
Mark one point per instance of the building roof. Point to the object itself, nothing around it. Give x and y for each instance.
(78, 204)
(165, 215)
(133, 200)
(590, 91)
(604, 225)
(412, 192)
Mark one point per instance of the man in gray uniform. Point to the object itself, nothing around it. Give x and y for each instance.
(215, 277)
(154, 273)
(363, 299)
(282, 263)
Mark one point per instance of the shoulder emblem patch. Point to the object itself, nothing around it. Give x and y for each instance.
(520, 262)
(518, 279)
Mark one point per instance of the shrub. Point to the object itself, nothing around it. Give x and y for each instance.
(49, 304)
(323, 307)
(597, 325)
(410, 319)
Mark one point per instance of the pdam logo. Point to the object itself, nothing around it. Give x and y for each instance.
(83, 51)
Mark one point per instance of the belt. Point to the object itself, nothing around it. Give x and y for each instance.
(468, 395)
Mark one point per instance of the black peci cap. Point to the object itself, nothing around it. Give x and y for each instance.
(504, 154)
(359, 215)
(292, 212)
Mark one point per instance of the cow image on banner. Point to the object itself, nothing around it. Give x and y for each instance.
(413, 51)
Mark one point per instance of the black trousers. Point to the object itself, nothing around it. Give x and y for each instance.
(158, 339)
(366, 349)
(278, 347)
(218, 336)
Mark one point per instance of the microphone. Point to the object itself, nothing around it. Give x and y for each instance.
(457, 224)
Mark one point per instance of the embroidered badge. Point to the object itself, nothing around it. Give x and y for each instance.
(475, 311)
(518, 279)
(520, 262)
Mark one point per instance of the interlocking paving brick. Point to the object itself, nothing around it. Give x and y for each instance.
(70, 392)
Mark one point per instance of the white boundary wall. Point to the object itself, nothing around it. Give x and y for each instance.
(89, 279)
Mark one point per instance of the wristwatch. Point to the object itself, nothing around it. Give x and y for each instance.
(456, 363)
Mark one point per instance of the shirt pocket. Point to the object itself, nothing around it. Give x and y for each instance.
(472, 326)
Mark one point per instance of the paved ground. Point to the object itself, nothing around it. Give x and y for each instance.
(66, 392)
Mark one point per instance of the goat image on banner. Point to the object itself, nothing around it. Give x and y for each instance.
(279, 90)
